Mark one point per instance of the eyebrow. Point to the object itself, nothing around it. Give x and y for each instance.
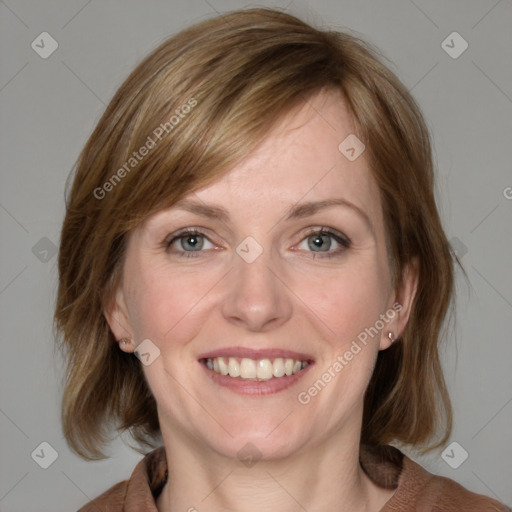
(298, 211)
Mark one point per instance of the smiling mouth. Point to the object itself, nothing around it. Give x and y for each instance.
(255, 369)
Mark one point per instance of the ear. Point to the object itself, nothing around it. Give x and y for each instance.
(116, 314)
(400, 303)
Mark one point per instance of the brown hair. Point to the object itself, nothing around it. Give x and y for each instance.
(199, 103)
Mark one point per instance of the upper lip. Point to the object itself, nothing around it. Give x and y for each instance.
(256, 354)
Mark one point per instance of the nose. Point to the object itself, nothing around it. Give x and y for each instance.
(257, 298)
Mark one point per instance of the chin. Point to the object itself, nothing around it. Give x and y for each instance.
(250, 449)
(272, 439)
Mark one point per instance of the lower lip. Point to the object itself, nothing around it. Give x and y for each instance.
(256, 387)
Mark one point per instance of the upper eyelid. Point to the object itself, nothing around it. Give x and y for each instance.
(182, 233)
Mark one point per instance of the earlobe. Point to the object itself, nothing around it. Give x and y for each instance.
(388, 337)
(126, 345)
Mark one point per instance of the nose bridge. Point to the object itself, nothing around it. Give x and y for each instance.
(256, 296)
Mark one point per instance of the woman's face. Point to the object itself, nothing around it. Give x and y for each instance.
(289, 263)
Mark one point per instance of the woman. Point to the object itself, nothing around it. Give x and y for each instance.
(253, 272)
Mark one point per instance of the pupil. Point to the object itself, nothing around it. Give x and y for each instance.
(319, 242)
(192, 240)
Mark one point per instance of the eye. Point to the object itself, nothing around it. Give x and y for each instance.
(190, 242)
(320, 242)
(187, 242)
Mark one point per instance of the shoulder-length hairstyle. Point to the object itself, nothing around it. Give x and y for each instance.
(188, 113)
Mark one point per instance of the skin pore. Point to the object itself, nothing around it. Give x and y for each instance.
(308, 292)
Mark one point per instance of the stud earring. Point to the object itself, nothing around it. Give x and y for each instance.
(391, 337)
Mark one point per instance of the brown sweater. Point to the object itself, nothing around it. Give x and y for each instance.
(417, 490)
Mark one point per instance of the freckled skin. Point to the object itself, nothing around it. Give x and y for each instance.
(285, 298)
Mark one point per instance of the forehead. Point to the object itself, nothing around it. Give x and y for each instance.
(301, 160)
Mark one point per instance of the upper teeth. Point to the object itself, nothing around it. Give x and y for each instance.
(261, 369)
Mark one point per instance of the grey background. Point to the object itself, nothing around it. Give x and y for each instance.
(50, 106)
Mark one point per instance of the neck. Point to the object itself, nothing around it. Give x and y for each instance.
(327, 476)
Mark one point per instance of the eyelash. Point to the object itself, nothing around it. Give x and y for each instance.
(343, 240)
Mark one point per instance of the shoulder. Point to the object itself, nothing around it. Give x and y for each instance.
(415, 487)
(111, 500)
(445, 495)
(139, 492)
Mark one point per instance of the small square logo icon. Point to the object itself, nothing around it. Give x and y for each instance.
(146, 351)
(454, 45)
(44, 455)
(249, 455)
(459, 248)
(44, 250)
(44, 45)
(249, 249)
(454, 455)
(351, 147)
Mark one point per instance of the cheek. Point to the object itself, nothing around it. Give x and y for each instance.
(165, 305)
(348, 300)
